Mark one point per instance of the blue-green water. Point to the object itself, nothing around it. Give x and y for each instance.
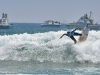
(30, 49)
(30, 28)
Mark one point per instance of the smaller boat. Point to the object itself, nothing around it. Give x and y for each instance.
(51, 23)
(4, 24)
(83, 21)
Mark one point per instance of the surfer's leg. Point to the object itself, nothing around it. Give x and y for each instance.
(77, 34)
(73, 39)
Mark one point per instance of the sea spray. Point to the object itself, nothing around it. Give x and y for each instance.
(48, 47)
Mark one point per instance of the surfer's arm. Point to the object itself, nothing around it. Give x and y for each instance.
(62, 35)
(78, 29)
(75, 29)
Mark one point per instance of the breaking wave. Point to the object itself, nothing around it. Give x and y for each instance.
(47, 46)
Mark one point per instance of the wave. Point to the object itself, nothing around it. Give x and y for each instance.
(47, 46)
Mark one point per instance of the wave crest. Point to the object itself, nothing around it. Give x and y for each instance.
(48, 47)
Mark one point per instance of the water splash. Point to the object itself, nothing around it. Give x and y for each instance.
(47, 46)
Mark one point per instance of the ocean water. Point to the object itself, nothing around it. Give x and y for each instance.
(30, 49)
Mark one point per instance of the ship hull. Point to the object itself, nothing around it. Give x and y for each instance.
(47, 25)
(91, 27)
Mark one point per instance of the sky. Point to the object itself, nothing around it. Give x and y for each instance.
(38, 11)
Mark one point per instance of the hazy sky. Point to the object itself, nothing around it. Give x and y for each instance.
(37, 11)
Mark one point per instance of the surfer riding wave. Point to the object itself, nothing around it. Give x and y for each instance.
(83, 35)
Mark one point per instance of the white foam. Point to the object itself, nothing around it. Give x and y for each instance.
(48, 47)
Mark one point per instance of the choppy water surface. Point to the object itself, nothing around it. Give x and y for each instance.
(32, 49)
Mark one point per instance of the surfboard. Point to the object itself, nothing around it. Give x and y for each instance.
(84, 35)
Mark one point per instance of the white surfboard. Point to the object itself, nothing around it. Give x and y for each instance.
(84, 34)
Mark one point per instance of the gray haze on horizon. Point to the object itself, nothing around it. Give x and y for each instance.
(38, 11)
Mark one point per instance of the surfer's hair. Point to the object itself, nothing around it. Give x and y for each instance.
(68, 32)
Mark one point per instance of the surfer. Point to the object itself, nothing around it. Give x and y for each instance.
(71, 34)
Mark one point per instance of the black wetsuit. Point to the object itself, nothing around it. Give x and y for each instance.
(72, 36)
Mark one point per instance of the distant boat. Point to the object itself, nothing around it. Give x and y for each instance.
(4, 24)
(83, 21)
(51, 23)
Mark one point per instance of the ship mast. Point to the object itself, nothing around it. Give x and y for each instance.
(90, 15)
